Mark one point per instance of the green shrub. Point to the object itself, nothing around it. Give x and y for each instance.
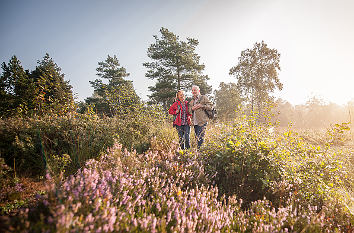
(249, 161)
(240, 155)
(31, 141)
(165, 138)
(136, 128)
(58, 163)
(317, 174)
(4, 173)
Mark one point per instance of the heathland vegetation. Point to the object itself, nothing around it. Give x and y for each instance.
(112, 162)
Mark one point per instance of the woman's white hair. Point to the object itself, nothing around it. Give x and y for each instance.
(196, 87)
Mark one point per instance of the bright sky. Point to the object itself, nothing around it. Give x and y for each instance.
(314, 37)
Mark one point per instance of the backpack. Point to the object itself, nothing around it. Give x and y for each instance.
(211, 113)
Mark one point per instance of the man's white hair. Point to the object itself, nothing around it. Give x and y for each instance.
(196, 87)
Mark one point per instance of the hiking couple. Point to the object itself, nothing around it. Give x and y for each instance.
(187, 114)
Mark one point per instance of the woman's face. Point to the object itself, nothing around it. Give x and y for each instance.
(180, 95)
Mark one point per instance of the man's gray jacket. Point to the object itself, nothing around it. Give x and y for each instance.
(200, 115)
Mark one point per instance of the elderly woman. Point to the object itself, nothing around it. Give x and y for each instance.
(182, 119)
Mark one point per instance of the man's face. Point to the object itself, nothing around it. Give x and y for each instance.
(195, 92)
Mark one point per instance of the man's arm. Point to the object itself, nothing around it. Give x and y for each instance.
(206, 104)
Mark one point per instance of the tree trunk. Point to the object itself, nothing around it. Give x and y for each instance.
(178, 79)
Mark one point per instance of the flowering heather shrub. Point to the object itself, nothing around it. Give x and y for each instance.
(263, 217)
(128, 192)
(120, 193)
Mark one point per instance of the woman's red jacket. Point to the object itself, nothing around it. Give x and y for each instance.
(174, 109)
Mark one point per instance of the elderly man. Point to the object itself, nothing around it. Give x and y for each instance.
(197, 108)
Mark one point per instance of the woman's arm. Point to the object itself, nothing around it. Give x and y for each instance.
(173, 109)
(190, 105)
(189, 109)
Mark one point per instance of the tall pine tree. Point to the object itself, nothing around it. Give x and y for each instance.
(175, 66)
(38, 92)
(15, 88)
(118, 96)
(53, 93)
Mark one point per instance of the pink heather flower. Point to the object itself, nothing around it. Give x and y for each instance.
(87, 229)
(158, 207)
(169, 216)
(18, 187)
(99, 230)
(89, 218)
(48, 176)
(76, 207)
(144, 223)
(106, 228)
(45, 202)
(153, 225)
(135, 222)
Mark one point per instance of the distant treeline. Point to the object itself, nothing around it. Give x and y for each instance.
(314, 114)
